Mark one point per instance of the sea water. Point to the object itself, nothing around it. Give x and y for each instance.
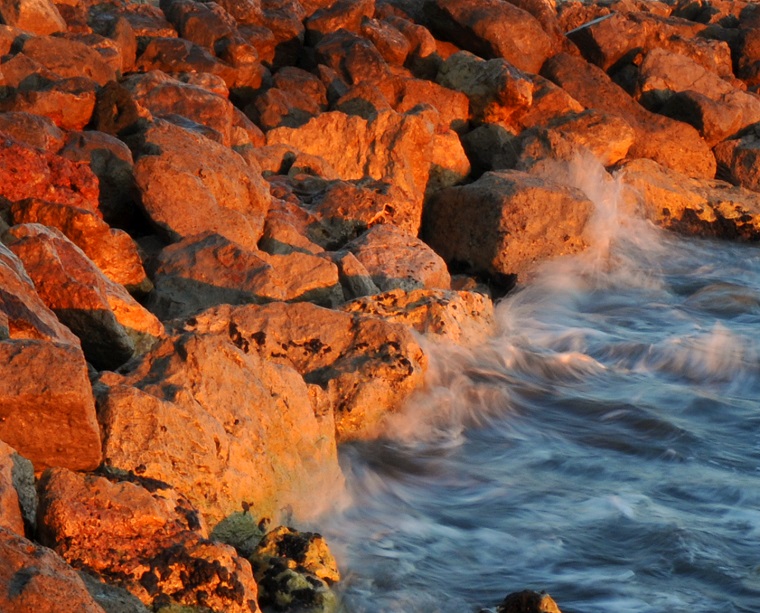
(603, 445)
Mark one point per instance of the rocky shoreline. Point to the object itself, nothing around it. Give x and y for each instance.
(230, 230)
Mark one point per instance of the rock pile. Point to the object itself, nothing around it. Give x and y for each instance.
(225, 226)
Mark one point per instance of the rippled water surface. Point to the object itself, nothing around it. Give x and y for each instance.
(604, 445)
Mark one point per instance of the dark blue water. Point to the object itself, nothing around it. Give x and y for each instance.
(603, 446)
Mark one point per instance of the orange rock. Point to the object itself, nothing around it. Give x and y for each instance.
(111, 22)
(671, 143)
(144, 536)
(397, 260)
(219, 191)
(113, 251)
(15, 472)
(209, 415)
(453, 106)
(491, 29)
(506, 222)
(32, 130)
(341, 15)
(26, 172)
(68, 58)
(392, 44)
(35, 16)
(49, 584)
(201, 23)
(110, 324)
(354, 58)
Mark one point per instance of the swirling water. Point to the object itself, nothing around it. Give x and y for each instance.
(603, 445)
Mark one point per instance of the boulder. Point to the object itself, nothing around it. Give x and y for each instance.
(671, 143)
(294, 571)
(343, 14)
(110, 324)
(297, 97)
(18, 497)
(34, 16)
(714, 106)
(392, 147)
(284, 19)
(354, 277)
(207, 270)
(33, 131)
(528, 601)
(148, 22)
(460, 317)
(506, 222)
(33, 578)
(491, 29)
(219, 191)
(359, 368)
(388, 40)
(201, 23)
(47, 411)
(27, 172)
(697, 207)
(113, 251)
(208, 413)
(143, 536)
(69, 102)
(163, 95)
(110, 22)
(453, 106)
(68, 58)
(353, 58)
(738, 160)
(395, 259)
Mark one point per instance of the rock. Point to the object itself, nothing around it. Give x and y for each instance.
(620, 36)
(68, 58)
(491, 29)
(33, 578)
(148, 21)
(295, 569)
(26, 172)
(116, 111)
(506, 222)
(354, 277)
(453, 106)
(389, 42)
(712, 105)
(143, 536)
(528, 601)
(69, 102)
(47, 411)
(356, 148)
(353, 58)
(284, 18)
(360, 368)
(460, 317)
(737, 160)
(110, 324)
(607, 137)
(207, 270)
(397, 260)
(113, 251)
(343, 14)
(110, 22)
(111, 162)
(449, 164)
(671, 143)
(223, 424)
(491, 147)
(297, 97)
(174, 55)
(698, 207)
(290, 228)
(112, 598)
(32, 131)
(224, 194)
(201, 23)
(163, 95)
(18, 498)
(35, 16)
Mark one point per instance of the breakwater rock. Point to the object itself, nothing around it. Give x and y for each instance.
(230, 230)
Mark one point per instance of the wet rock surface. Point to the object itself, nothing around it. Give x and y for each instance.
(229, 223)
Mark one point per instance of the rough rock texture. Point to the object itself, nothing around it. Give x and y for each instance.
(671, 143)
(36, 16)
(26, 172)
(32, 130)
(143, 535)
(358, 368)
(528, 601)
(207, 270)
(68, 58)
(47, 411)
(392, 147)
(491, 29)
(110, 324)
(219, 191)
(33, 578)
(294, 571)
(113, 251)
(209, 415)
(458, 316)
(506, 222)
(738, 160)
(699, 207)
(397, 260)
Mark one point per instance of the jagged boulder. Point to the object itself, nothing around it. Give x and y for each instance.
(35, 16)
(18, 496)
